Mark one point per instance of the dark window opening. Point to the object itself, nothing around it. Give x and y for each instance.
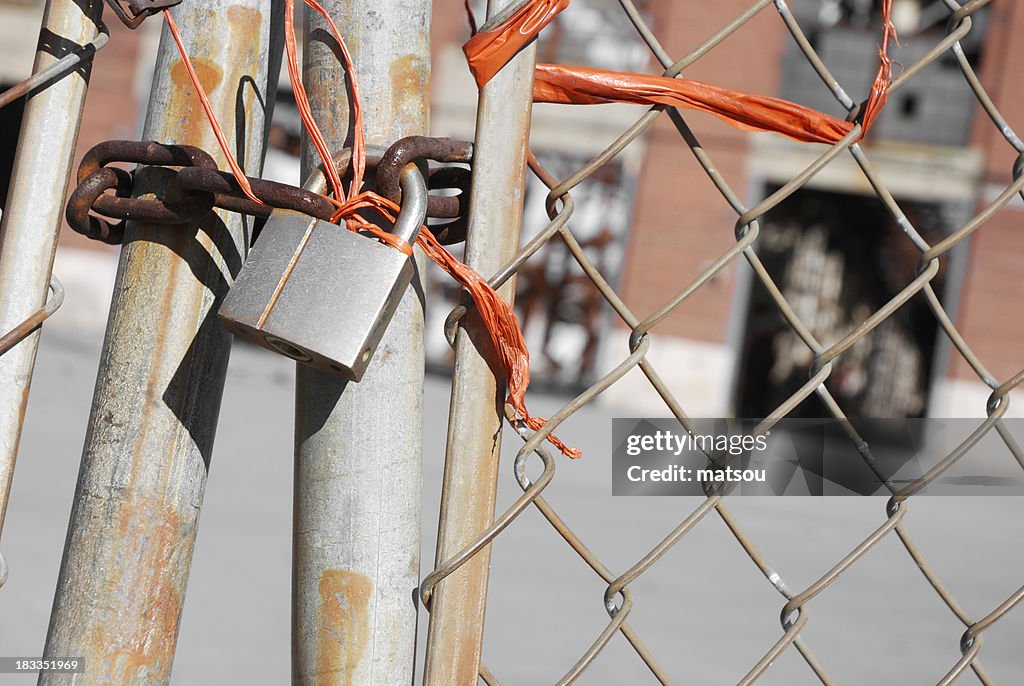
(838, 259)
(910, 106)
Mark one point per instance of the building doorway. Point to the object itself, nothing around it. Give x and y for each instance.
(838, 258)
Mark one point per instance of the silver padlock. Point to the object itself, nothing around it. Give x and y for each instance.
(321, 294)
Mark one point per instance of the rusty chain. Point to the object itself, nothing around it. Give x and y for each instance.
(199, 186)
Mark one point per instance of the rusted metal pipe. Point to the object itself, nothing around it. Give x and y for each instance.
(150, 435)
(35, 203)
(455, 633)
(358, 446)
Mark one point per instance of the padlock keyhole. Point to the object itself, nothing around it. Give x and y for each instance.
(287, 349)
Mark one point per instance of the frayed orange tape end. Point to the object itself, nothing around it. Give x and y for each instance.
(502, 326)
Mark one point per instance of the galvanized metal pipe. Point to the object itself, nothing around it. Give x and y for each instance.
(35, 204)
(358, 446)
(455, 633)
(150, 436)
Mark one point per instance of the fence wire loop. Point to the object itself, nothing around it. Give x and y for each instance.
(34, 320)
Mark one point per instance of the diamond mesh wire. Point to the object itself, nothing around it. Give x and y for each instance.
(796, 603)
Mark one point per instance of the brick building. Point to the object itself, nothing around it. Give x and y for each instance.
(654, 220)
(935, 150)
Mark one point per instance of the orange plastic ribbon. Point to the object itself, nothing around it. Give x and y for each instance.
(498, 318)
(488, 51)
(581, 86)
(503, 327)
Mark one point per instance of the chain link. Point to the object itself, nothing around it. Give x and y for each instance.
(199, 186)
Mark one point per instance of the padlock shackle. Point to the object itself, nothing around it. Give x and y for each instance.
(413, 212)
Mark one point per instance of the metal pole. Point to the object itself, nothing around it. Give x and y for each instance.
(357, 446)
(35, 208)
(150, 437)
(457, 605)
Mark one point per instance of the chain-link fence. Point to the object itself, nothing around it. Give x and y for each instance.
(821, 356)
(811, 351)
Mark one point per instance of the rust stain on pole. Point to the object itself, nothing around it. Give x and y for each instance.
(244, 20)
(128, 655)
(408, 81)
(343, 624)
(192, 124)
(209, 75)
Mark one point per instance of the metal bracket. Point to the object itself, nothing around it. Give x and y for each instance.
(138, 10)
